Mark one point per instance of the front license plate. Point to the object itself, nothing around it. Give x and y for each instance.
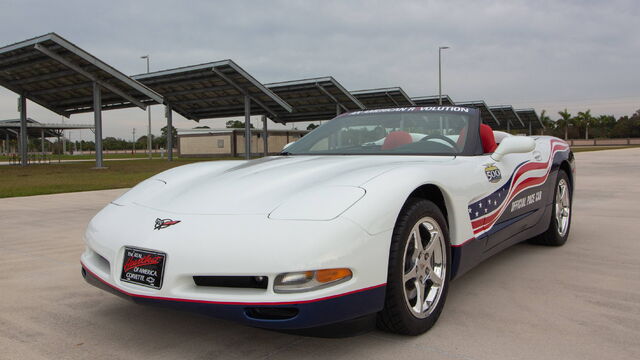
(143, 267)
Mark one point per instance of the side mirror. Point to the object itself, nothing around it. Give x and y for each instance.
(289, 144)
(513, 144)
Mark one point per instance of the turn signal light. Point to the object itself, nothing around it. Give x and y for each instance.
(329, 275)
(310, 280)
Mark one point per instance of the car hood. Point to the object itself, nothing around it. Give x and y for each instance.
(259, 186)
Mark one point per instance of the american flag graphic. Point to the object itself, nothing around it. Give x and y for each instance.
(485, 212)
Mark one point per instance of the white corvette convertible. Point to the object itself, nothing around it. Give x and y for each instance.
(373, 213)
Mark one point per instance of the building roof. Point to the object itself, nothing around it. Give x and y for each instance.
(506, 114)
(59, 76)
(529, 116)
(34, 128)
(485, 113)
(314, 99)
(383, 98)
(230, 130)
(213, 90)
(432, 100)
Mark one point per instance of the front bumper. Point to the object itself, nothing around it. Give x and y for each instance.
(291, 315)
(252, 245)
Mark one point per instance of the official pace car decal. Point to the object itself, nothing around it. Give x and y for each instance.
(164, 223)
(485, 212)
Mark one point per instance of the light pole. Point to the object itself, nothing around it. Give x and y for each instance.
(146, 57)
(440, 73)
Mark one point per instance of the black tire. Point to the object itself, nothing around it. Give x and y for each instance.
(553, 236)
(397, 315)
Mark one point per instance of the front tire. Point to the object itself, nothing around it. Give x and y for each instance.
(558, 231)
(419, 269)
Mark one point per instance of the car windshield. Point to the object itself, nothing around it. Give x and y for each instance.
(387, 132)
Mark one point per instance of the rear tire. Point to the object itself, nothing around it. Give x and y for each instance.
(419, 269)
(560, 224)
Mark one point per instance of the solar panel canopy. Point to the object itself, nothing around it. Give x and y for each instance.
(486, 114)
(314, 99)
(383, 98)
(11, 127)
(432, 100)
(507, 117)
(530, 118)
(213, 90)
(59, 76)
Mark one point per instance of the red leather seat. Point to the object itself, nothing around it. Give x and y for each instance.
(395, 139)
(488, 140)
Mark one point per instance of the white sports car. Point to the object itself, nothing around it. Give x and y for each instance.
(372, 214)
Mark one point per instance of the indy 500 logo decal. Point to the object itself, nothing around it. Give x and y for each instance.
(493, 173)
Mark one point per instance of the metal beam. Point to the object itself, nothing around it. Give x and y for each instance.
(23, 130)
(169, 114)
(42, 140)
(243, 91)
(247, 127)
(391, 98)
(97, 120)
(195, 91)
(265, 136)
(89, 76)
(331, 96)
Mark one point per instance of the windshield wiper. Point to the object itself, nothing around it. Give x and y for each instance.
(285, 153)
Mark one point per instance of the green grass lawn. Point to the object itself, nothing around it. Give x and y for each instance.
(598, 148)
(60, 178)
(54, 158)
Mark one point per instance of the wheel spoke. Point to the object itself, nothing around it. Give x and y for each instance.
(433, 242)
(412, 274)
(419, 296)
(418, 240)
(434, 277)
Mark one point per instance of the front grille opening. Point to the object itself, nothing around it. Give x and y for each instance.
(102, 263)
(267, 313)
(250, 282)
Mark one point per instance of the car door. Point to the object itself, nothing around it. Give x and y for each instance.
(500, 212)
(522, 196)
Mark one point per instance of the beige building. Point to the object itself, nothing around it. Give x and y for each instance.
(230, 142)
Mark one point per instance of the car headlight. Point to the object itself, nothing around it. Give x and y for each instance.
(302, 281)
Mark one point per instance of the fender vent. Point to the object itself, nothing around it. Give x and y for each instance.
(251, 282)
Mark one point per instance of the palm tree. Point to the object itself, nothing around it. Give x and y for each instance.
(545, 119)
(585, 119)
(565, 121)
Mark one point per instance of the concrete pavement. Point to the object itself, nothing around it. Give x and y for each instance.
(580, 301)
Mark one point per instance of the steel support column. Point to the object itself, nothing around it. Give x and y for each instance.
(530, 129)
(247, 127)
(97, 122)
(169, 114)
(24, 137)
(42, 140)
(6, 143)
(265, 136)
(338, 109)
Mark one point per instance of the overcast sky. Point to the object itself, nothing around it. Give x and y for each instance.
(542, 54)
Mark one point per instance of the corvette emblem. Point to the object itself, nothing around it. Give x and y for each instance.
(164, 223)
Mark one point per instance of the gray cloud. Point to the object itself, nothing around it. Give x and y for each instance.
(543, 54)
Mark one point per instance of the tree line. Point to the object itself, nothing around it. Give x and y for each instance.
(584, 125)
